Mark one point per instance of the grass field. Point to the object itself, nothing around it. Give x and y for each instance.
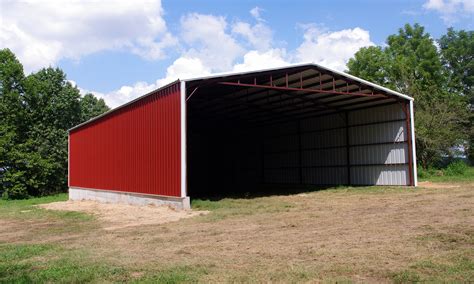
(367, 234)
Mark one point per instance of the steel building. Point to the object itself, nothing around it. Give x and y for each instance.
(297, 125)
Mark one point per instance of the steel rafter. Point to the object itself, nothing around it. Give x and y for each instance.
(301, 89)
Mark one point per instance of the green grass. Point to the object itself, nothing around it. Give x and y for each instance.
(40, 263)
(457, 268)
(26, 209)
(177, 274)
(452, 262)
(453, 173)
(229, 207)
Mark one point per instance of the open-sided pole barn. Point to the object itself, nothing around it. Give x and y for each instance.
(296, 125)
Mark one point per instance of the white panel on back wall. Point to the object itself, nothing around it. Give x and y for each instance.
(377, 133)
(380, 175)
(323, 139)
(324, 157)
(281, 175)
(282, 143)
(379, 154)
(323, 122)
(327, 175)
(383, 113)
(285, 159)
(287, 128)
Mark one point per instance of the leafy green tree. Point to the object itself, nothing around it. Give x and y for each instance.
(411, 64)
(370, 63)
(36, 112)
(13, 123)
(92, 107)
(457, 55)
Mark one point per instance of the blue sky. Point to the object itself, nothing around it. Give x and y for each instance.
(122, 49)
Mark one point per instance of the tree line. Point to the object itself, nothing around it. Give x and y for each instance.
(37, 110)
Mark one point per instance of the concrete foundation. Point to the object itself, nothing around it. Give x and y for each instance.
(107, 196)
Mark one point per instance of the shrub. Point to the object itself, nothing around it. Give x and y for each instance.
(457, 168)
(426, 173)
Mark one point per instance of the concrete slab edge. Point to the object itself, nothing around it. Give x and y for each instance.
(106, 196)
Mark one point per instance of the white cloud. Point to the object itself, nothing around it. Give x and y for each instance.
(43, 32)
(122, 95)
(182, 68)
(209, 41)
(331, 49)
(259, 36)
(256, 13)
(451, 10)
(255, 60)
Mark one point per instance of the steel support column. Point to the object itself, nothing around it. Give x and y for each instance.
(348, 149)
(409, 142)
(300, 153)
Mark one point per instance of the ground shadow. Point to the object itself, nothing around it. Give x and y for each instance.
(259, 191)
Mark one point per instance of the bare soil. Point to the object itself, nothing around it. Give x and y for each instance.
(119, 216)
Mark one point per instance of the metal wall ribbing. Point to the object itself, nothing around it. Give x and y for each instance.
(310, 151)
(382, 155)
(133, 149)
(366, 146)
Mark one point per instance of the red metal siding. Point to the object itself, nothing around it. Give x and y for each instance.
(134, 149)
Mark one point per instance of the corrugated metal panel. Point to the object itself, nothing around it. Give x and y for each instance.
(282, 143)
(280, 157)
(378, 133)
(383, 113)
(319, 164)
(280, 129)
(380, 175)
(288, 175)
(328, 138)
(278, 160)
(322, 122)
(385, 164)
(379, 154)
(327, 175)
(135, 149)
(324, 157)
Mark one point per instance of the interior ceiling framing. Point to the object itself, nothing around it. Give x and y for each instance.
(280, 95)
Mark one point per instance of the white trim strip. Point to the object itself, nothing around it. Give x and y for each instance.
(68, 159)
(412, 127)
(184, 184)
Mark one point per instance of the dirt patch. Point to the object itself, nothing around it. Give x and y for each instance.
(117, 216)
(429, 184)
